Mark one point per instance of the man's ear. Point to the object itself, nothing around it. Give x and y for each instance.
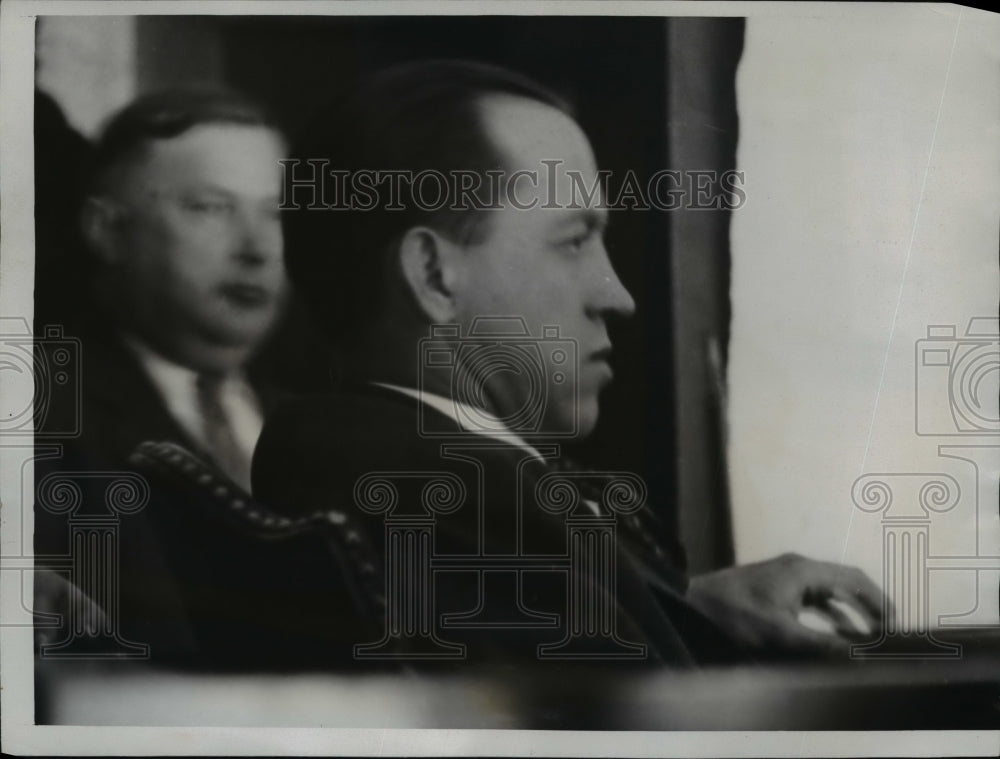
(99, 222)
(431, 266)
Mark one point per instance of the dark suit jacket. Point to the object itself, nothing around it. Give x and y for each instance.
(314, 453)
(191, 587)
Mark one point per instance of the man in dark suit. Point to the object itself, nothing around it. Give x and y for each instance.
(181, 213)
(478, 409)
(180, 216)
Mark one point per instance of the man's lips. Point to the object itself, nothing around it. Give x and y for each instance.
(602, 355)
(602, 359)
(245, 294)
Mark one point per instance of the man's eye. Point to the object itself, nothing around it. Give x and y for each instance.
(577, 242)
(208, 207)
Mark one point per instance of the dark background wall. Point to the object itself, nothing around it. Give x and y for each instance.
(702, 133)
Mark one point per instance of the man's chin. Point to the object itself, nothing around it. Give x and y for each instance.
(245, 334)
(214, 347)
(574, 423)
(586, 422)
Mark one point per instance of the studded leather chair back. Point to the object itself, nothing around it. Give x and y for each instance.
(220, 500)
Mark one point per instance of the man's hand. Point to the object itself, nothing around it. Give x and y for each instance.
(759, 604)
(57, 598)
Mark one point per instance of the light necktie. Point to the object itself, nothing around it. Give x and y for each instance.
(218, 431)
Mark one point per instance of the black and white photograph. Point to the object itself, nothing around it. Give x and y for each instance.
(475, 378)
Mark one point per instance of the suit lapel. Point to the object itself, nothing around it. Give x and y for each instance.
(122, 407)
(650, 590)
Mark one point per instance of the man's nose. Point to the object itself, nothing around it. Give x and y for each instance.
(259, 239)
(609, 296)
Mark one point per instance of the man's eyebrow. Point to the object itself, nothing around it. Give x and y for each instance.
(209, 188)
(592, 218)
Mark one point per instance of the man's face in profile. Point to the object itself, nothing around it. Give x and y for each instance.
(200, 241)
(548, 266)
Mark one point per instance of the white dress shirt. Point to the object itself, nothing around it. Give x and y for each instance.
(489, 426)
(177, 385)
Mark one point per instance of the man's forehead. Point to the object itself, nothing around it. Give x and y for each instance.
(236, 143)
(528, 131)
(547, 158)
(222, 154)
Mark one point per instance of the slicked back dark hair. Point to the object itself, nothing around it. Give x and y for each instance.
(162, 116)
(412, 117)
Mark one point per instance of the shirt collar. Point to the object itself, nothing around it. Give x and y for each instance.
(490, 426)
(177, 387)
(164, 372)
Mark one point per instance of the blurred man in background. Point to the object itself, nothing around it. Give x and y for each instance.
(180, 216)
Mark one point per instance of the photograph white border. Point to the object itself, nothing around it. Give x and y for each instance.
(20, 736)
